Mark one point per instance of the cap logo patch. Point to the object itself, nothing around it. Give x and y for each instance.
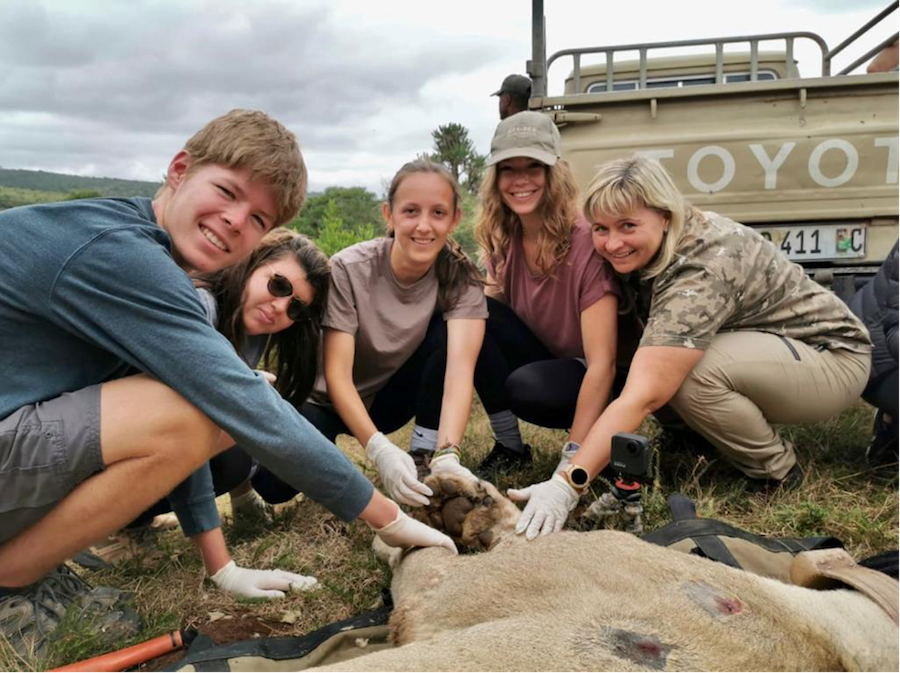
(523, 132)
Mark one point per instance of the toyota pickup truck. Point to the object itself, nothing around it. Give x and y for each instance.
(809, 161)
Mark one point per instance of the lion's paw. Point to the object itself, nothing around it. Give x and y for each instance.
(472, 512)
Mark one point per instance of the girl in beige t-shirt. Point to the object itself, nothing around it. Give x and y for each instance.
(403, 329)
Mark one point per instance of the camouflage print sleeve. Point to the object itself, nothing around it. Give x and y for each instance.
(690, 303)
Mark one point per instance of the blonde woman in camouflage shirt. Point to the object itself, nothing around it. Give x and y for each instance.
(736, 337)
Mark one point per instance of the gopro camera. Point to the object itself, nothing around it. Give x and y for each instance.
(631, 457)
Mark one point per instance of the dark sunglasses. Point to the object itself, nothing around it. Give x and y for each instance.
(279, 286)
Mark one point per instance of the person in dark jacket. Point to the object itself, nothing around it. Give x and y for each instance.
(876, 305)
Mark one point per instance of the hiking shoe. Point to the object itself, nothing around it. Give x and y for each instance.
(161, 522)
(30, 615)
(674, 439)
(109, 617)
(792, 479)
(26, 620)
(126, 544)
(502, 459)
(249, 508)
(883, 450)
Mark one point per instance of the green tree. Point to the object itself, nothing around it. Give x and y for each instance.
(334, 236)
(454, 149)
(357, 207)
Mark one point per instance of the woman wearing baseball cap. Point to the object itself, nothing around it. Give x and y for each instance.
(550, 348)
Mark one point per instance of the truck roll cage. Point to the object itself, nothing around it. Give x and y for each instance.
(539, 64)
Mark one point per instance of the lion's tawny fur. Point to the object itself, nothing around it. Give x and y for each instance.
(606, 600)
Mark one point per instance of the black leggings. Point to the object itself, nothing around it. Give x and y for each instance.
(414, 390)
(229, 469)
(882, 394)
(517, 372)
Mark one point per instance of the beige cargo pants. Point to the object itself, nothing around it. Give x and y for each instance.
(748, 380)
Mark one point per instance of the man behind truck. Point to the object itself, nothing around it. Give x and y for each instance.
(514, 94)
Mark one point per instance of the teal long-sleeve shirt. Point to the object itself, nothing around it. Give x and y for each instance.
(89, 291)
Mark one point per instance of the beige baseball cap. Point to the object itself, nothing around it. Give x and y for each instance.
(526, 134)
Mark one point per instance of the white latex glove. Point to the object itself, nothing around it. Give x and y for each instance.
(448, 465)
(549, 504)
(268, 376)
(406, 532)
(397, 471)
(260, 583)
(569, 449)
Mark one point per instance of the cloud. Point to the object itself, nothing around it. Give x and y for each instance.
(839, 6)
(180, 61)
(115, 88)
(76, 76)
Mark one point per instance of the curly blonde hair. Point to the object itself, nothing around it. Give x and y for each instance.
(497, 224)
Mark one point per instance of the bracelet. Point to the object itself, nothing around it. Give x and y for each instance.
(446, 450)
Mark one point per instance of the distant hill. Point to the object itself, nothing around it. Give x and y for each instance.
(44, 181)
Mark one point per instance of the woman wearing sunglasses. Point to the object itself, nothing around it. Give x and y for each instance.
(269, 306)
(403, 328)
(273, 302)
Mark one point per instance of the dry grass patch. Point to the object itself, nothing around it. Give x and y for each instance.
(838, 496)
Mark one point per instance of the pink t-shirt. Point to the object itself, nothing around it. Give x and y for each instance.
(551, 307)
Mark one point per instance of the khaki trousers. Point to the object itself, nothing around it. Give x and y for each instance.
(748, 380)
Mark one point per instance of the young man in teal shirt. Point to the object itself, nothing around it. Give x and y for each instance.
(116, 387)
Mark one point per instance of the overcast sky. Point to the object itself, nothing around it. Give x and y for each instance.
(113, 88)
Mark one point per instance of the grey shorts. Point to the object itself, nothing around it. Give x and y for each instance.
(46, 450)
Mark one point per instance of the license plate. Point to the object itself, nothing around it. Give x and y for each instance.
(824, 241)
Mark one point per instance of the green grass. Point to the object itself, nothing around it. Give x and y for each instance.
(838, 496)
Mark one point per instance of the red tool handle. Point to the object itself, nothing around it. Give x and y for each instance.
(129, 657)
